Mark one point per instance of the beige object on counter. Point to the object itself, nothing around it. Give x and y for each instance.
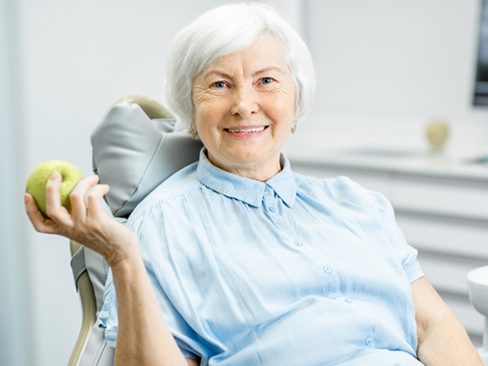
(437, 133)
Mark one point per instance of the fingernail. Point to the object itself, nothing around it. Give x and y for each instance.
(54, 175)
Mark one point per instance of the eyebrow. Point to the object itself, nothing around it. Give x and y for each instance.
(267, 69)
(226, 75)
(216, 72)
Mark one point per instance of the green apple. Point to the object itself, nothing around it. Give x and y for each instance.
(36, 184)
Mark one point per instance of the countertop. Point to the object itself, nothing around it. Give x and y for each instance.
(391, 160)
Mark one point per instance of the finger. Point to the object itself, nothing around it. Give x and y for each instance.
(94, 198)
(54, 210)
(37, 219)
(77, 197)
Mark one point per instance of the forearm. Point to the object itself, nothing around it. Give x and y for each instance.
(444, 342)
(143, 337)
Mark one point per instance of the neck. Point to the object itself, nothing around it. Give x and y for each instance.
(256, 171)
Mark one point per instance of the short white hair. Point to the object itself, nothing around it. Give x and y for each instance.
(228, 29)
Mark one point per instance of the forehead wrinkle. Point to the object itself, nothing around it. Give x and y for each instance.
(248, 62)
(216, 71)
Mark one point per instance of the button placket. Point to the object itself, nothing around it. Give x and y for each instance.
(331, 281)
(269, 200)
(369, 339)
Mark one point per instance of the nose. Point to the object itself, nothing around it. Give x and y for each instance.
(245, 102)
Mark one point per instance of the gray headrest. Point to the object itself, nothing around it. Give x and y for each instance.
(134, 154)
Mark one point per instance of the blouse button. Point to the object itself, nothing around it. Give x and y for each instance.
(368, 341)
(327, 269)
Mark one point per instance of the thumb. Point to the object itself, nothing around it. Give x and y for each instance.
(94, 196)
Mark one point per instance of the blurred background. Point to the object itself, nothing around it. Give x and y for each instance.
(385, 68)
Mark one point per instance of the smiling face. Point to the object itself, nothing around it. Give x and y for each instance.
(244, 109)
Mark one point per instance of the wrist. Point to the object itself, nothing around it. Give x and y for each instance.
(123, 256)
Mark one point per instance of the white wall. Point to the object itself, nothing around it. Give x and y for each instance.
(15, 343)
(384, 68)
(387, 67)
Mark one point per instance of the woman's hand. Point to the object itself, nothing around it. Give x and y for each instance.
(87, 223)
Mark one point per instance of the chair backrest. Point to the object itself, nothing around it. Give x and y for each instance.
(137, 145)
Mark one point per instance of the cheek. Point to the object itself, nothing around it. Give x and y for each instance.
(209, 112)
(207, 119)
(201, 115)
(283, 113)
(283, 107)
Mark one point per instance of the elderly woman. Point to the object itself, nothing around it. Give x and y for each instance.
(237, 260)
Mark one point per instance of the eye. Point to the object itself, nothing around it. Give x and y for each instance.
(218, 84)
(266, 80)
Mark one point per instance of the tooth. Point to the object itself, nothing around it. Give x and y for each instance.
(249, 130)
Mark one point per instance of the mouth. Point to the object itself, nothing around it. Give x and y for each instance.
(245, 130)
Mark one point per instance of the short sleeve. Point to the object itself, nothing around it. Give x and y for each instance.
(376, 217)
(108, 319)
(405, 252)
(186, 338)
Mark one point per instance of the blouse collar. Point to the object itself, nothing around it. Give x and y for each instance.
(245, 189)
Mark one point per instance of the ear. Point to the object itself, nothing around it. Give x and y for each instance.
(193, 130)
(193, 125)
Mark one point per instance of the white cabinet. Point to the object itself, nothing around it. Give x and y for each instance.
(442, 208)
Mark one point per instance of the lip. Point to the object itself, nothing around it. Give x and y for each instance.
(239, 131)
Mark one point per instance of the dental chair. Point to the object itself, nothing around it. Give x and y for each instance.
(137, 146)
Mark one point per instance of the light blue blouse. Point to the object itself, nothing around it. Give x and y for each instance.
(292, 271)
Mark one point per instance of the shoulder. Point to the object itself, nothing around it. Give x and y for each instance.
(341, 190)
(177, 187)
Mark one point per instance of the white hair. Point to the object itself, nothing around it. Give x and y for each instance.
(228, 29)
